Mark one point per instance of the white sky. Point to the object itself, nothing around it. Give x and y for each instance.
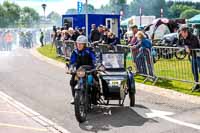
(60, 6)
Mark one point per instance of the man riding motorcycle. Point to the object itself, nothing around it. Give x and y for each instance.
(82, 55)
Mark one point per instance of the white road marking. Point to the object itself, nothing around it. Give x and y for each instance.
(33, 115)
(165, 115)
(22, 127)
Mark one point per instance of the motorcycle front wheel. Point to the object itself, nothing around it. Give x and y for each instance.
(80, 106)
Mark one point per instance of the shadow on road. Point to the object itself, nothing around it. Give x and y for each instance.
(105, 118)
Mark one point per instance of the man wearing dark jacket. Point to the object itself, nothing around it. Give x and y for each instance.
(94, 34)
(191, 42)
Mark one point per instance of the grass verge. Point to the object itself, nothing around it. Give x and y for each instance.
(50, 52)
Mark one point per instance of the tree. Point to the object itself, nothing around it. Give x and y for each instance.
(176, 10)
(152, 8)
(189, 13)
(71, 11)
(117, 5)
(12, 13)
(29, 17)
(91, 8)
(2, 17)
(55, 18)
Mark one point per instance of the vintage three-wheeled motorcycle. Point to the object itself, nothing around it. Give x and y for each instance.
(109, 80)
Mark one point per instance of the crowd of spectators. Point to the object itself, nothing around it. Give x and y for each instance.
(97, 35)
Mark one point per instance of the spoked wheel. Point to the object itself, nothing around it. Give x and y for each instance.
(81, 106)
(180, 54)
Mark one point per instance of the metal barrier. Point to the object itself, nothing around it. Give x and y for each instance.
(171, 63)
(68, 47)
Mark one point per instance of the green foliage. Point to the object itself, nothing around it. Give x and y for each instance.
(177, 9)
(2, 17)
(50, 52)
(71, 11)
(189, 13)
(11, 15)
(29, 17)
(55, 18)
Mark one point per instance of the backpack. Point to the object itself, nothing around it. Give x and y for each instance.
(146, 43)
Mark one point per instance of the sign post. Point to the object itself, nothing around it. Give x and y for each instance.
(86, 17)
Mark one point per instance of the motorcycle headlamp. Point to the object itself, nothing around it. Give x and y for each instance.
(80, 73)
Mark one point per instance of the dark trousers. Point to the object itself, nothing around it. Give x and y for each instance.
(41, 41)
(196, 68)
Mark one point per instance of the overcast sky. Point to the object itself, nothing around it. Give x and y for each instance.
(60, 6)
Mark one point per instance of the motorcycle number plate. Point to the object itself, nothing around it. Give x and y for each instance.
(115, 83)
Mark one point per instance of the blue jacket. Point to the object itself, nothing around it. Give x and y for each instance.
(85, 57)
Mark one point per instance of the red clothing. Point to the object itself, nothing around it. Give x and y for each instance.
(8, 38)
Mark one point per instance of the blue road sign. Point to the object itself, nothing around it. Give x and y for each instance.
(79, 7)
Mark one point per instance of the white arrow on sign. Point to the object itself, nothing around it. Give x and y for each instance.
(165, 115)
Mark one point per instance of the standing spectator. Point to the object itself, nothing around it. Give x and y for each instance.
(105, 36)
(141, 28)
(144, 45)
(81, 31)
(83, 28)
(1, 41)
(190, 42)
(133, 40)
(135, 50)
(76, 34)
(42, 38)
(59, 43)
(53, 35)
(9, 40)
(195, 31)
(101, 33)
(94, 34)
(112, 40)
(72, 35)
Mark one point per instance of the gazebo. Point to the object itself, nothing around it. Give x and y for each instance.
(194, 20)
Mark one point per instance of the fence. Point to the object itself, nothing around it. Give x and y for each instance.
(171, 63)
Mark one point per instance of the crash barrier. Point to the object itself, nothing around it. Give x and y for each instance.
(171, 63)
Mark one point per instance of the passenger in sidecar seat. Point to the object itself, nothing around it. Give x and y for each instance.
(82, 55)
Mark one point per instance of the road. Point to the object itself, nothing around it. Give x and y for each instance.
(45, 88)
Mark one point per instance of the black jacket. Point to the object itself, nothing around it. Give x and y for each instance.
(95, 35)
(191, 41)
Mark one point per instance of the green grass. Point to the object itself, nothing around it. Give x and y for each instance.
(170, 68)
(50, 52)
(163, 68)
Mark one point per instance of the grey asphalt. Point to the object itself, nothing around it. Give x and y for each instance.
(14, 121)
(45, 89)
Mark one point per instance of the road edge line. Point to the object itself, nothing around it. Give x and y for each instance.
(35, 116)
